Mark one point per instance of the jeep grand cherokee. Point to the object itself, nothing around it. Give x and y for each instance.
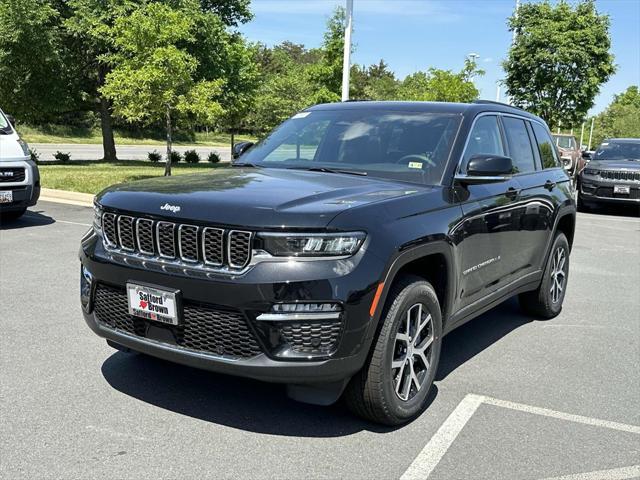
(334, 255)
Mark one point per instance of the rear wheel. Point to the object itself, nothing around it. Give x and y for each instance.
(392, 387)
(546, 300)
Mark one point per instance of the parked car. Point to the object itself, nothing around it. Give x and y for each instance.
(613, 174)
(334, 255)
(571, 155)
(19, 176)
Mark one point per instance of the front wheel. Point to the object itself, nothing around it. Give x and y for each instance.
(392, 387)
(546, 300)
(12, 215)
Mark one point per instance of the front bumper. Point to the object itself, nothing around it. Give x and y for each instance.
(596, 190)
(347, 282)
(25, 192)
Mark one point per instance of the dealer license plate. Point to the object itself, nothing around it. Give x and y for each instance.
(6, 196)
(153, 303)
(621, 189)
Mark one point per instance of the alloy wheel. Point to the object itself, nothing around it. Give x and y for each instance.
(412, 352)
(558, 274)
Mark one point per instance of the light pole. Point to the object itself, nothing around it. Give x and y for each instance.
(346, 63)
(472, 58)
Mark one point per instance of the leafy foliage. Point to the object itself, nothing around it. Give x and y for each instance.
(620, 119)
(191, 156)
(62, 156)
(560, 58)
(154, 156)
(442, 85)
(213, 157)
(175, 156)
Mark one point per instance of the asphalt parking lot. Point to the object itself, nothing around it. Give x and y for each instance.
(515, 398)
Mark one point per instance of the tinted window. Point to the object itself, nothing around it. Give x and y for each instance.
(618, 151)
(546, 146)
(484, 138)
(519, 145)
(407, 146)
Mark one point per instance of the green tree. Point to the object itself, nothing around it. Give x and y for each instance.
(437, 85)
(153, 75)
(620, 119)
(37, 84)
(559, 60)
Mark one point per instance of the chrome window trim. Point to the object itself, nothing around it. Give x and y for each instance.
(140, 249)
(250, 254)
(292, 317)
(173, 231)
(182, 257)
(204, 251)
(120, 217)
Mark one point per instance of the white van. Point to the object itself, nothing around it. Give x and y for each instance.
(19, 175)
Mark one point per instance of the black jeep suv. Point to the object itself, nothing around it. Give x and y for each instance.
(334, 255)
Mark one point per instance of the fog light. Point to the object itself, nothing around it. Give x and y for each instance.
(86, 281)
(302, 311)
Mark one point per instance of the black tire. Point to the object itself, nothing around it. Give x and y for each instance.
(371, 394)
(545, 302)
(12, 215)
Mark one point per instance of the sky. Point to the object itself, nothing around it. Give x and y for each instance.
(415, 35)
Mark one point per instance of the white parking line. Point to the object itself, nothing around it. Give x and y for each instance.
(623, 473)
(427, 460)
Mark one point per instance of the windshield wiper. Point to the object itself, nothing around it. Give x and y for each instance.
(330, 170)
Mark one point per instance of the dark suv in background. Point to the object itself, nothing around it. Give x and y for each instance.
(613, 175)
(335, 254)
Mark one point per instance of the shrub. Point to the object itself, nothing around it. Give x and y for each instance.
(175, 156)
(35, 156)
(154, 156)
(62, 157)
(191, 156)
(213, 157)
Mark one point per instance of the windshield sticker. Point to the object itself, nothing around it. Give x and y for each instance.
(415, 165)
(300, 115)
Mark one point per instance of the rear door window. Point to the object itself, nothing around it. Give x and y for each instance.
(546, 147)
(519, 142)
(484, 138)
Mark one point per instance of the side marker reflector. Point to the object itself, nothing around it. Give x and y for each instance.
(376, 299)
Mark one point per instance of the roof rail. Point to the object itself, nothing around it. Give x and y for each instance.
(491, 102)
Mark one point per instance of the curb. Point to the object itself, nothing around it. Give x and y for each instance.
(63, 196)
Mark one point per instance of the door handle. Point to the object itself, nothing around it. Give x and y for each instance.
(512, 193)
(549, 185)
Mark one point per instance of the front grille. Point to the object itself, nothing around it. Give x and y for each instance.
(620, 175)
(607, 192)
(214, 247)
(312, 337)
(205, 328)
(12, 174)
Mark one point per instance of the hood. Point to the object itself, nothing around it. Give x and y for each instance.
(250, 197)
(10, 148)
(614, 165)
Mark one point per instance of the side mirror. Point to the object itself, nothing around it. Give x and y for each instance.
(586, 155)
(486, 168)
(239, 148)
(11, 119)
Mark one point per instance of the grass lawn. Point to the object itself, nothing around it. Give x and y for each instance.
(62, 134)
(92, 177)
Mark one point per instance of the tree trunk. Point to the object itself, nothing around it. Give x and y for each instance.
(232, 139)
(108, 143)
(167, 168)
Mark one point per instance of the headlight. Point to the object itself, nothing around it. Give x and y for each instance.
(25, 147)
(590, 171)
(97, 218)
(311, 244)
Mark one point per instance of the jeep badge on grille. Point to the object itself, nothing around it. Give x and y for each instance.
(171, 208)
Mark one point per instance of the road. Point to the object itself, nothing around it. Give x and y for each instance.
(125, 152)
(515, 397)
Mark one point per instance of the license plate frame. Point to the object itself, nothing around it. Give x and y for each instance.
(621, 189)
(6, 196)
(154, 303)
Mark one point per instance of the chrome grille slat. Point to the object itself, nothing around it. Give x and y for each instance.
(213, 246)
(620, 175)
(188, 243)
(166, 239)
(181, 244)
(125, 233)
(144, 234)
(239, 248)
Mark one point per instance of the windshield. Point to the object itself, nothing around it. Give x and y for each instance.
(564, 142)
(405, 146)
(618, 151)
(4, 123)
